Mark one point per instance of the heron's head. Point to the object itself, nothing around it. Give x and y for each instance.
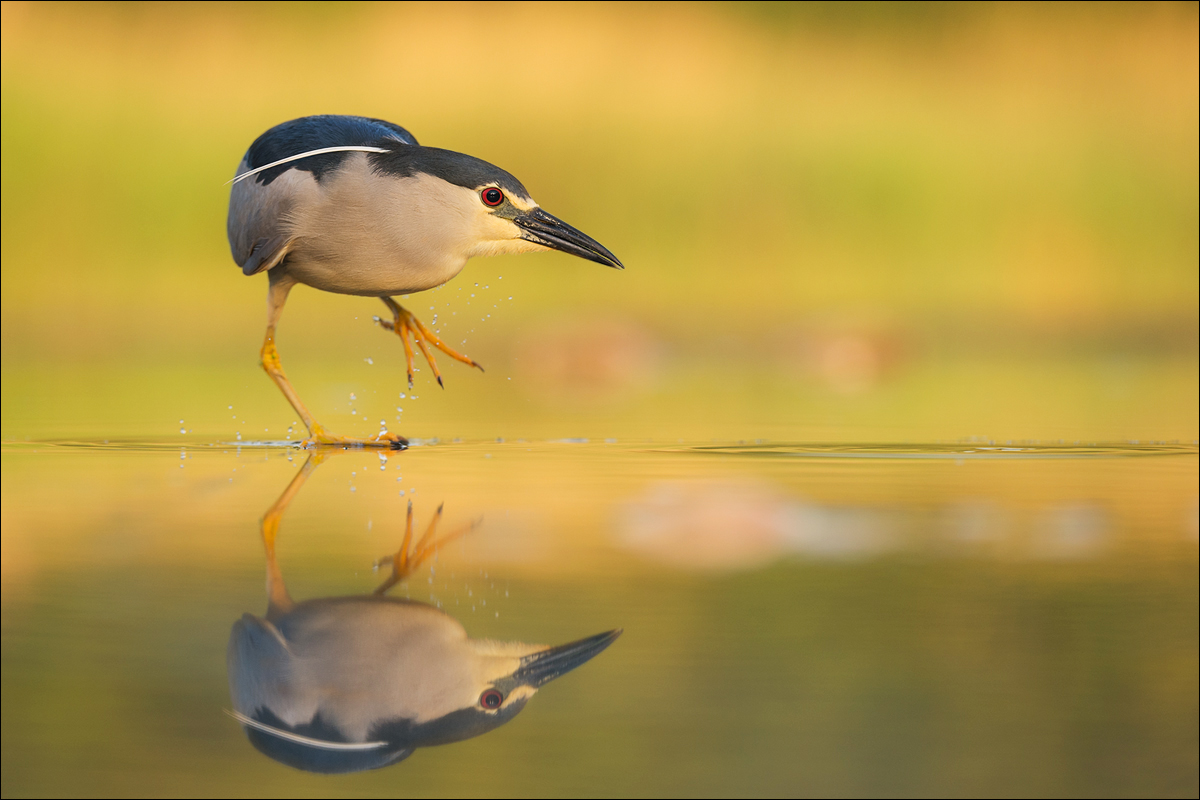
(491, 208)
(504, 676)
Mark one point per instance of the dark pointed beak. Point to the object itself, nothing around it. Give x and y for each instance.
(543, 667)
(550, 231)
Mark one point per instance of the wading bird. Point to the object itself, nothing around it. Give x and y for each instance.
(354, 205)
(344, 684)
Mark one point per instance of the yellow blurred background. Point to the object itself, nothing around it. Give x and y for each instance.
(891, 222)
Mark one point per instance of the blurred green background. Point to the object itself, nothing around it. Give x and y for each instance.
(841, 222)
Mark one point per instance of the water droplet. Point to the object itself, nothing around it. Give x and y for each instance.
(352, 397)
(183, 430)
(369, 361)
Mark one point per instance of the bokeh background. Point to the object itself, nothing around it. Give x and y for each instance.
(867, 222)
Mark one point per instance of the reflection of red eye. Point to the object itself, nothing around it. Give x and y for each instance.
(492, 196)
(491, 699)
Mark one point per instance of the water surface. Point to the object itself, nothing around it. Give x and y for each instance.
(820, 619)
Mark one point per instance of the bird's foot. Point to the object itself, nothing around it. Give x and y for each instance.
(405, 325)
(321, 438)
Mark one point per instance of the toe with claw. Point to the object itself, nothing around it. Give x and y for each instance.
(405, 325)
(322, 438)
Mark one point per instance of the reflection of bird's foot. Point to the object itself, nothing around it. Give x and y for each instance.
(409, 329)
(406, 560)
(321, 438)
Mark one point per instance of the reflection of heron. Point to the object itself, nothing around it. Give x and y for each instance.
(355, 206)
(344, 684)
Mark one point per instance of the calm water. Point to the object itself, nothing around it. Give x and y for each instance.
(977, 618)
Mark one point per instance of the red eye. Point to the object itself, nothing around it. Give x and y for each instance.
(491, 699)
(492, 196)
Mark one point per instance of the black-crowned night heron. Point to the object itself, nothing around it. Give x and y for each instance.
(344, 684)
(354, 205)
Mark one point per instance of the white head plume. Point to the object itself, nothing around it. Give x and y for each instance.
(304, 740)
(350, 148)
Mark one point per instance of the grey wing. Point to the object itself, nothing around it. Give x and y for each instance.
(279, 712)
(260, 214)
(260, 669)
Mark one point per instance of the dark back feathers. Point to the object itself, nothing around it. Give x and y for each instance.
(313, 133)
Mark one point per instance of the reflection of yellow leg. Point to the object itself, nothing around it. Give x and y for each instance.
(278, 600)
(317, 435)
(404, 562)
(406, 325)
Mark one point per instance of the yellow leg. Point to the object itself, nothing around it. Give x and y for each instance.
(405, 561)
(317, 435)
(279, 602)
(405, 326)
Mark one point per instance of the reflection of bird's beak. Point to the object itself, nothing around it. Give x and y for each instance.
(540, 668)
(550, 231)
